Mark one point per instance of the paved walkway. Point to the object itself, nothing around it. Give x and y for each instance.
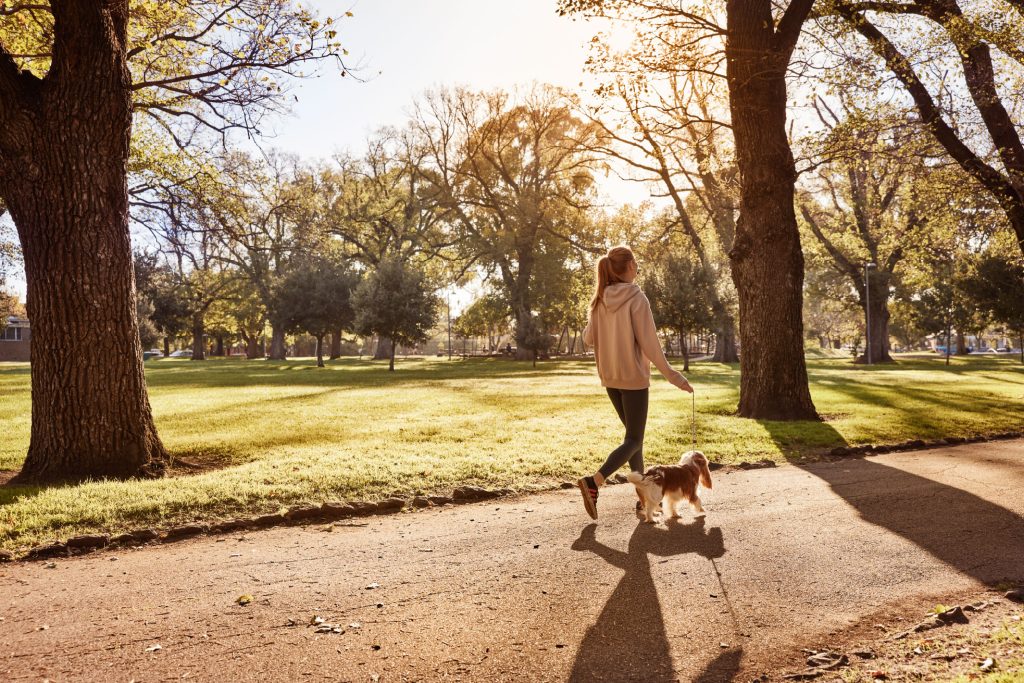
(527, 589)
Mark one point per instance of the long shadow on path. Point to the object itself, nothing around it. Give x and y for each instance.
(971, 534)
(978, 537)
(628, 642)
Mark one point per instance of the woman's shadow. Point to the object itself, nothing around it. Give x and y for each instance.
(628, 641)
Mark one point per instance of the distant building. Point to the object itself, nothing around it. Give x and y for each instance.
(14, 339)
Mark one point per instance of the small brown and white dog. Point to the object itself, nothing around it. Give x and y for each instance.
(669, 485)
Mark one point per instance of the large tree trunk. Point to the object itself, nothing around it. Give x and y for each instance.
(961, 343)
(336, 345)
(391, 359)
(219, 348)
(767, 263)
(725, 341)
(277, 347)
(252, 346)
(684, 350)
(198, 335)
(879, 325)
(167, 346)
(63, 156)
(524, 319)
(385, 349)
(320, 350)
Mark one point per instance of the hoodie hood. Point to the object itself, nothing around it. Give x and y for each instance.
(619, 294)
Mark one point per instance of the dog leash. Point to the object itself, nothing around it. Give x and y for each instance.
(693, 419)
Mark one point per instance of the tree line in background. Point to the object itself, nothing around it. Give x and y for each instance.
(878, 199)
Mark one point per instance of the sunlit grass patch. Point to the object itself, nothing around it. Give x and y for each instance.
(263, 435)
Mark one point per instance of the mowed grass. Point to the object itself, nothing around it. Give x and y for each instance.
(277, 434)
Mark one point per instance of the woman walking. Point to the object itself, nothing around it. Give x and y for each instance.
(625, 341)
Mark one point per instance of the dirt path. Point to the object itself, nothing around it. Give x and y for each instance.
(528, 589)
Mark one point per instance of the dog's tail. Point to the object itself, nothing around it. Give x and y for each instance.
(705, 471)
(634, 477)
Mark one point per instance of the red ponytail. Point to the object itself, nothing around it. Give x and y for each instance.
(610, 270)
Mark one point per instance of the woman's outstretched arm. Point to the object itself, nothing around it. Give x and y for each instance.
(647, 337)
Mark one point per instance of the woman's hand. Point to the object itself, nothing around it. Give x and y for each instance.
(685, 386)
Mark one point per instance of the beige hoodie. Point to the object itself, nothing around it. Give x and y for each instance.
(621, 330)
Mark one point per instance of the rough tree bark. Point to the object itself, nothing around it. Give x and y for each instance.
(167, 346)
(725, 340)
(277, 346)
(198, 336)
(767, 263)
(385, 349)
(683, 349)
(252, 346)
(961, 343)
(335, 345)
(879, 337)
(64, 143)
(320, 350)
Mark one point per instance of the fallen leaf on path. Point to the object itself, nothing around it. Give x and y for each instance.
(355, 624)
(244, 600)
(373, 586)
(988, 664)
(315, 620)
(154, 648)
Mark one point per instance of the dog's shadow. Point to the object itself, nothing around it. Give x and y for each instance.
(628, 641)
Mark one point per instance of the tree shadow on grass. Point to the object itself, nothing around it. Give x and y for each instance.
(929, 410)
(975, 536)
(628, 642)
(350, 372)
(12, 493)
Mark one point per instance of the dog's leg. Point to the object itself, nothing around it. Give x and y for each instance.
(649, 507)
(673, 506)
(695, 504)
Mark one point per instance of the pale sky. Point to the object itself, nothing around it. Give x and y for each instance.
(408, 46)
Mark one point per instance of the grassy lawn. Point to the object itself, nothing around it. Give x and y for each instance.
(274, 434)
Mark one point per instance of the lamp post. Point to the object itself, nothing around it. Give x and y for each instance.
(867, 310)
(449, 298)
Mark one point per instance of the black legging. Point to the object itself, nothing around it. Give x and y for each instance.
(631, 405)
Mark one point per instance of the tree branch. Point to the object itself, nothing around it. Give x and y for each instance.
(788, 31)
(842, 262)
(931, 117)
(12, 104)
